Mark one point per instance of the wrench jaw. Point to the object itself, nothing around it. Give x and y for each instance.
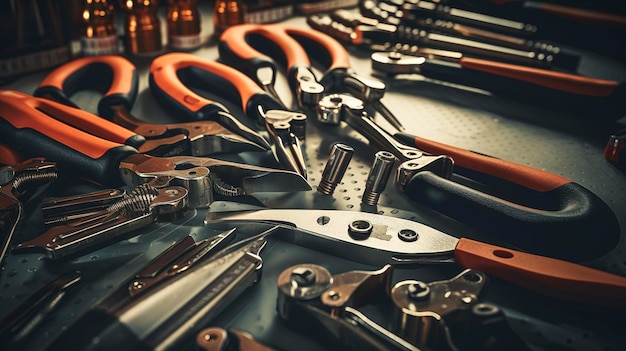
(329, 307)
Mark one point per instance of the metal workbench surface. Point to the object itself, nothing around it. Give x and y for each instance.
(570, 146)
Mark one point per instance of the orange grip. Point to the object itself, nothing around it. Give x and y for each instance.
(122, 73)
(236, 37)
(526, 176)
(548, 276)
(163, 70)
(340, 59)
(570, 83)
(8, 156)
(582, 14)
(23, 111)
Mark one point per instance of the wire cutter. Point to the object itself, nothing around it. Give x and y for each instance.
(17, 183)
(238, 47)
(538, 210)
(34, 125)
(116, 78)
(281, 124)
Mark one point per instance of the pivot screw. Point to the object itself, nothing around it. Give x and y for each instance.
(418, 291)
(302, 276)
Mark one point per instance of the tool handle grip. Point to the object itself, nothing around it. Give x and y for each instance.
(113, 76)
(327, 51)
(567, 82)
(538, 211)
(534, 85)
(234, 48)
(29, 125)
(171, 73)
(560, 279)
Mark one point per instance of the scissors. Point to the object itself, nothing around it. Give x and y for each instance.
(292, 45)
(281, 124)
(37, 126)
(217, 132)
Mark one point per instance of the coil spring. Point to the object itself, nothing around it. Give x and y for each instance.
(33, 179)
(223, 188)
(138, 201)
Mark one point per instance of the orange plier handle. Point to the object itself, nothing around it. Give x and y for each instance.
(172, 75)
(38, 127)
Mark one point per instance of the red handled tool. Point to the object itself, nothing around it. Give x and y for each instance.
(36, 126)
(232, 84)
(532, 209)
(238, 47)
(116, 78)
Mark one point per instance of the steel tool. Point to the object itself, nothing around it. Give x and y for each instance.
(146, 204)
(195, 280)
(533, 209)
(60, 210)
(233, 85)
(548, 88)
(219, 339)
(22, 321)
(116, 78)
(405, 29)
(378, 240)
(537, 86)
(18, 182)
(240, 45)
(27, 126)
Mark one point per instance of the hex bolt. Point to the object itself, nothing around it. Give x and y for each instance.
(378, 177)
(418, 291)
(336, 166)
(302, 276)
(360, 229)
(408, 235)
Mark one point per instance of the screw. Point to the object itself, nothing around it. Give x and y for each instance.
(360, 229)
(336, 166)
(408, 235)
(302, 276)
(378, 177)
(418, 291)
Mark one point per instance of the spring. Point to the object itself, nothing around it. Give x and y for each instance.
(223, 188)
(33, 179)
(138, 201)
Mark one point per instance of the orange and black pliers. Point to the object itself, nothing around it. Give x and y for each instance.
(284, 127)
(85, 145)
(247, 47)
(116, 78)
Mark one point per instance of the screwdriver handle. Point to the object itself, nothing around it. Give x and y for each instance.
(33, 127)
(542, 212)
(118, 74)
(560, 279)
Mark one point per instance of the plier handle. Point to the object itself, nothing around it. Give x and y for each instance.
(542, 212)
(116, 78)
(36, 126)
(234, 85)
(244, 47)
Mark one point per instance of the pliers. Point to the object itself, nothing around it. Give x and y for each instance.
(280, 124)
(541, 211)
(18, 180)
(39, 126)
(116, 78)
(238, 47)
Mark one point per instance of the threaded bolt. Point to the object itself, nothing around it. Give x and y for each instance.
(378, 177)
(335, 168)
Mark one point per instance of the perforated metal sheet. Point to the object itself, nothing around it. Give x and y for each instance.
(562, 144)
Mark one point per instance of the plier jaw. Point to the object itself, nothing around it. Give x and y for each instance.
(19, 182)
